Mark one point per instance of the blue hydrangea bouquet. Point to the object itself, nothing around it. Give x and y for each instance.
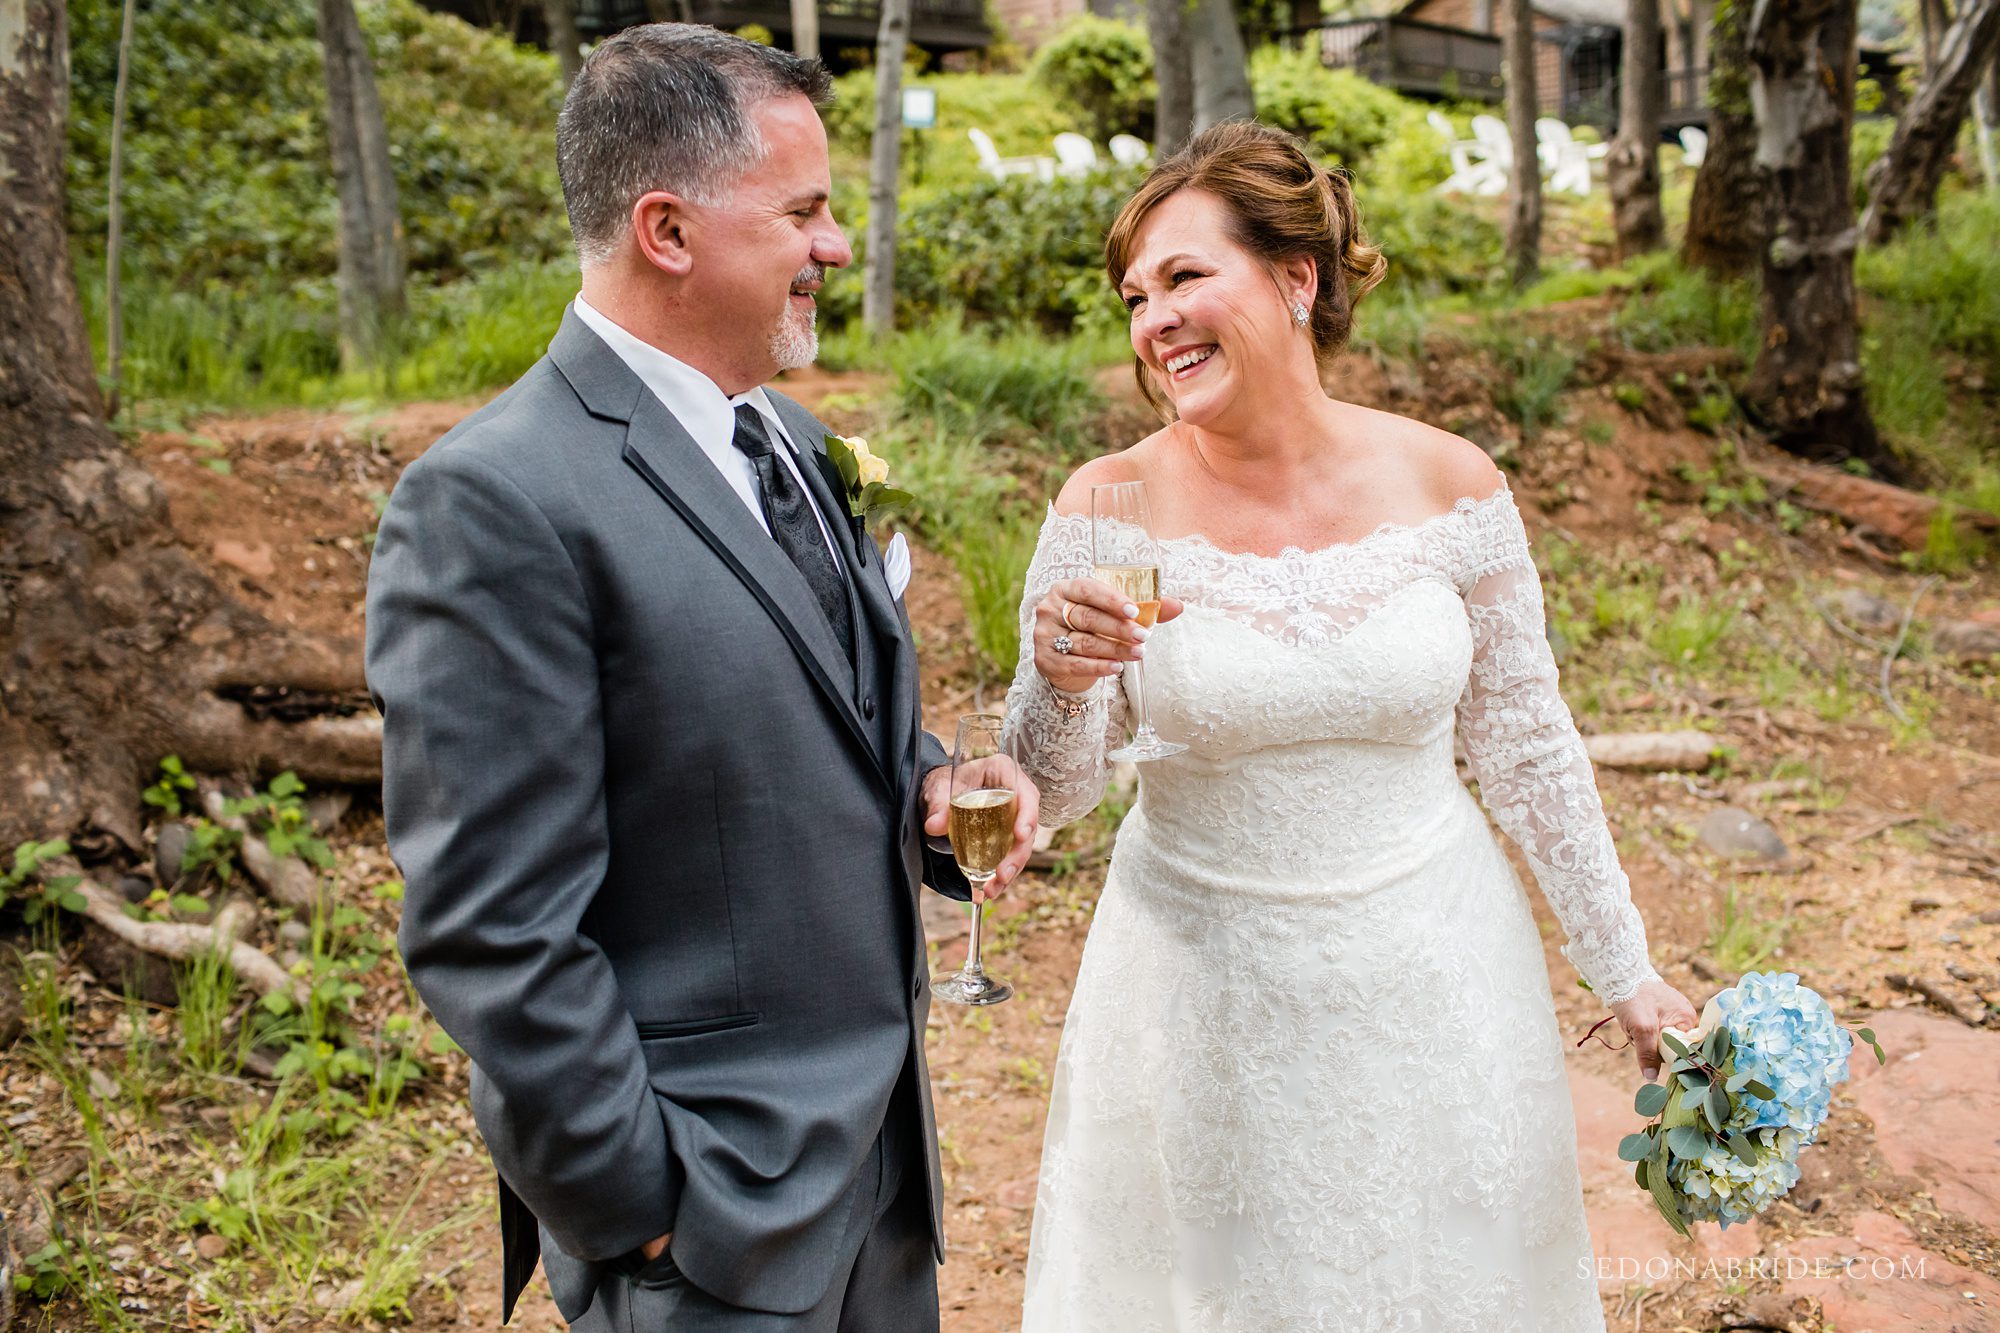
(1745, 1092)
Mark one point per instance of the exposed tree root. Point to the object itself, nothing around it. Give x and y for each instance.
(220, 737)
(184, 943)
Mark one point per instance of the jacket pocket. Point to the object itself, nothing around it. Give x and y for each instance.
(695, 1027)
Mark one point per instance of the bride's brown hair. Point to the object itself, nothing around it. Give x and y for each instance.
(1282, 205)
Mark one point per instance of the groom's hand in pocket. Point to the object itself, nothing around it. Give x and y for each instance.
(998, 771)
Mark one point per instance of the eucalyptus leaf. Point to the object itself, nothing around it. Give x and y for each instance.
(1639, 1173)
(1717, 1108)
(1745, 1151)
(1651, 1099)
(1758, 1088)
(1692, 1078)
(1635, 1147)
(1693, 1098)
(1686, 1141)
(1673, 1043)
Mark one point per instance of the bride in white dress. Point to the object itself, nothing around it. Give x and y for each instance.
(1311, 1078)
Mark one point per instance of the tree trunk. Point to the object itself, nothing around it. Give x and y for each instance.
(1903, 182)
(1726, 216)
(1217, 65)
(1173, 103)
(885, 164)
(114, 648)
(805, 28)
(371, 227)
(1932, 19)
(114, 239)
(1524, 194)
(1633, 165)
(564, 40)
(1986, 121)
(1806, 389)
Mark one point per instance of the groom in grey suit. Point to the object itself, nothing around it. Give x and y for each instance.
(652, 768)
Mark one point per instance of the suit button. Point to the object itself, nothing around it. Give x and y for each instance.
(868, 708)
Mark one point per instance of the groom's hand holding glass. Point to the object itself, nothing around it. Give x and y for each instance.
(996, 771)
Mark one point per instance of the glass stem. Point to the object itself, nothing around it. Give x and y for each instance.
(1142, 724)
(972, 963)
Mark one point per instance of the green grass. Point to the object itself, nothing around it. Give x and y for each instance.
(1742, 936)
(278, 345)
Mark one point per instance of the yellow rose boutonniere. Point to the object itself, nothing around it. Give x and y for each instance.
(866, 476)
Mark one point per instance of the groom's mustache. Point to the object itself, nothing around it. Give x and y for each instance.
(809, 278)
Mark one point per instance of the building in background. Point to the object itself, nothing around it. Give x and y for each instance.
(847, 28)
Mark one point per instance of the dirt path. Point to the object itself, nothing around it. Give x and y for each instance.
(1895, 840)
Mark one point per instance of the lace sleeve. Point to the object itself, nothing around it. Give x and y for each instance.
(1534, 775)
(1064, 754)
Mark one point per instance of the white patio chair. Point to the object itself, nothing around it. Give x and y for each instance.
(1043, 168)
(1128, 150)
(1563, 158)
(1075, 155)
(1694, 145)
(1486, 161)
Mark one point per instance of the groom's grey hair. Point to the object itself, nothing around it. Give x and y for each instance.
(666, 106)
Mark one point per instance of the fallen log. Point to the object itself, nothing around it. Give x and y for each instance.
(1654, 751)
(1900, 515)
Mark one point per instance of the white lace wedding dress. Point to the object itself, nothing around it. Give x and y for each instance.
(1311, 1077)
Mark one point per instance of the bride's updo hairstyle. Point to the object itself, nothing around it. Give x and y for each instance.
(1282, 205)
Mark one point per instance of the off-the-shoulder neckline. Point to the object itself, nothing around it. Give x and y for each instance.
(1464, 505)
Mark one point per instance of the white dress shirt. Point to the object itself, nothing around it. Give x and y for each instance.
(708, 415)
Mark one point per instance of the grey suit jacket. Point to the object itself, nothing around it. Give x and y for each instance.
(660, 835)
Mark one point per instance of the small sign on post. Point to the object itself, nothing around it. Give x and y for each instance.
(919, 108)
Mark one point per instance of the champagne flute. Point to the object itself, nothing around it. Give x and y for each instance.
(982, 832)
(1128, 558)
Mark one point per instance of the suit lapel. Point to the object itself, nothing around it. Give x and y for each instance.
(866, 562)
(661, 451)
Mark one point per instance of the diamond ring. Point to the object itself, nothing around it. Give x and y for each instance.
(1061, 643)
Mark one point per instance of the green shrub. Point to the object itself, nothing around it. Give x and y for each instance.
(1104, 68)
(1017, 250)
(1347, 119)
(227, 170)
(1433, 244)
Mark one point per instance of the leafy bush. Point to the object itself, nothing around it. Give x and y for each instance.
(1017, 250)
(1433, 244)
(1347, 119)
(1105, 69)
(227, 171)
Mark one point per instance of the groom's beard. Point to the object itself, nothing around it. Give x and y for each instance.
(795, 342)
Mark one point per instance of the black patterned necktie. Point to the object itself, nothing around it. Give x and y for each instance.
(795, 525)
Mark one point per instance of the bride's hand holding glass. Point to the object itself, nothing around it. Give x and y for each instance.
(1102, 627)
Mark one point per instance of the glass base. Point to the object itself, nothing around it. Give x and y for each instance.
(968, 987)
(1139, 751)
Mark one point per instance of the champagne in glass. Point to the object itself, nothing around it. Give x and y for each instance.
(982, 832)
(1139, 584)
(1127, 557)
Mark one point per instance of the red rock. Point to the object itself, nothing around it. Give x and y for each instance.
(1879, 1280)
(1936, 1108)
(252, 558)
